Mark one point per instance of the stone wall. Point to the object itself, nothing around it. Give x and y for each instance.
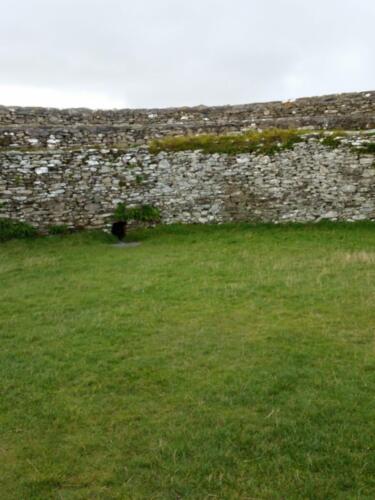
(81, 187)
(47, 127)
(73, 166)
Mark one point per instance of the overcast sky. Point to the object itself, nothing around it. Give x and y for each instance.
(157, 53)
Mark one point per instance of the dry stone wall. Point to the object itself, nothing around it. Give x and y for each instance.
(48, 127)
(73, 166)
(81, 187)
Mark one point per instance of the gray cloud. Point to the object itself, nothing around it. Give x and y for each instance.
(174, 53)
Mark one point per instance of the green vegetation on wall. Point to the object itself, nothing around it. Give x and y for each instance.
(367, 149)
(267, 142)
(143, 213)
(10, 229)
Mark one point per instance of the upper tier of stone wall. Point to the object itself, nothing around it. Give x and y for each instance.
(39, 127)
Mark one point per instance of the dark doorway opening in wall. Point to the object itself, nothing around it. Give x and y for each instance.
(119, 230)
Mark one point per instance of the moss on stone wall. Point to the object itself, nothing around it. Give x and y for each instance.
(266, 142)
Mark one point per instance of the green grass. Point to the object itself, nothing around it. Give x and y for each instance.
(215, 362)
(267, 142)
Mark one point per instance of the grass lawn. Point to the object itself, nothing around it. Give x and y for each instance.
(216, 362)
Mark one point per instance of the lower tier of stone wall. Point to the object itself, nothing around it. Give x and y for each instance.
(81, 188)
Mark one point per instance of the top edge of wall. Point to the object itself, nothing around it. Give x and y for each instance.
(368, 95)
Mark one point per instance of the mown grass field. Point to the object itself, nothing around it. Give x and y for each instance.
(229, 362)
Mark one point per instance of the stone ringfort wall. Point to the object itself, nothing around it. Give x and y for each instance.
(73, 166)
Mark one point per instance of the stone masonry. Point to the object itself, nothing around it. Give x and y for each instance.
(73, 166)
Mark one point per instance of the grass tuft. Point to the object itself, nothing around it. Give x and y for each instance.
(10, 229)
